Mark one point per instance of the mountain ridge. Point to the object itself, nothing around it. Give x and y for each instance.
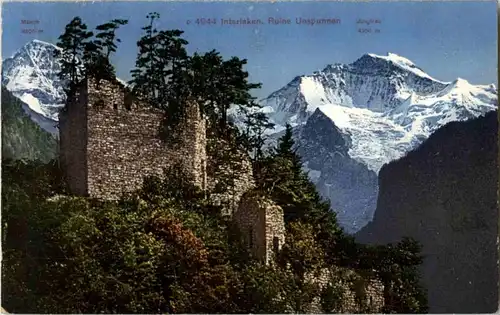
(384, 105)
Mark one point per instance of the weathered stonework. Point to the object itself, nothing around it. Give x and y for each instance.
(230, 175)
(359, 294)
(110, 142)
(261, 222)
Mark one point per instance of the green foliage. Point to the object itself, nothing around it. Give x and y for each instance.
(281, 175)
(21, 137)
(98, 51)
(163, 249)
(73, 42)
(252, 138)
(332, 297)
(159, 74)
(83, 56)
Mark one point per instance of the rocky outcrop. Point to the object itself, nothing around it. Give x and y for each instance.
(444, 194)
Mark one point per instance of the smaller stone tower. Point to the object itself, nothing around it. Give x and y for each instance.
(262, 224)
(109, 141)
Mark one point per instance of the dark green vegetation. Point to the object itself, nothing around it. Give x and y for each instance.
(166, 248)
(21, 137)
(444, 195)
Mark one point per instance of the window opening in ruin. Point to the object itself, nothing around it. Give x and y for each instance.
(99, 104)
(115, 106)
(127, 101)
(276, 244)
(250, 237)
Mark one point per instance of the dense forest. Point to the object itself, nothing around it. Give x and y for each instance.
(166, 248)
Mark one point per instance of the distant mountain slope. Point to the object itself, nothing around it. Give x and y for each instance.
(386, 104)
(383, 107)
(21, 137)
(31, 75)
(444, 194)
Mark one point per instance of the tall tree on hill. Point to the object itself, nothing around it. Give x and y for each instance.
(204, 71)
(218, 84)
(72, 43)
(159, 74)
(283, 178)
(173, 61)
(98, 51)
(252, 137)
(143, 74)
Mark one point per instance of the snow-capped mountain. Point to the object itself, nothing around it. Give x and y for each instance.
(31, 75)
(386, 104)
(383, 107)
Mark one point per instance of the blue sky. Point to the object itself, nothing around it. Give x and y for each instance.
(446, 39)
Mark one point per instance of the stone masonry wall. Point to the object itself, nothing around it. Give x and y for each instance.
(359, 294)
(275, 229)
(260, 221)
(228, 181)
(73, 143)
(124, 143)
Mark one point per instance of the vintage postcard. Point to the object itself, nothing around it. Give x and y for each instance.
(249, 157)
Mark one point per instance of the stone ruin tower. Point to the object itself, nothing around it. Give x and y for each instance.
(109, 141)
(261, 222)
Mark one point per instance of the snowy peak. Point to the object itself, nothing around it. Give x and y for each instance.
(31, 75)
(381, 107)
(386, 104)
(378, 83)
(394, 58)
(404, 64)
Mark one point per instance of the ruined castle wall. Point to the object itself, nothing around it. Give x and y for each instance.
(261, 220)
(275, 229)
(73, 143)
(251, 219)
(124, 143)
(230, 175)
(359, 295)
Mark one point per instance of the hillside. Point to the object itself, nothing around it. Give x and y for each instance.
(383, 106)
(444, 194)
(21, 137)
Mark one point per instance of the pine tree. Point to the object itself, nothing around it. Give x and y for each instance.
(252, 139)
(96, 55)
(72, 43)
(160, 72)
(204, 73)
(98, 51)
(144, 82)
(218, 84)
